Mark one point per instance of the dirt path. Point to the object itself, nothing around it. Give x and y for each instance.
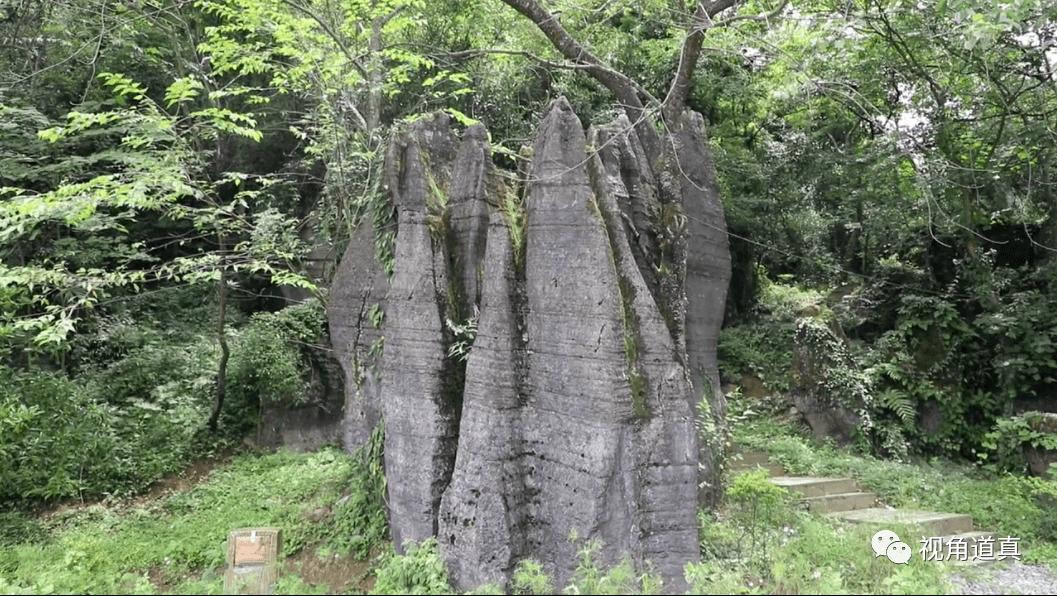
(1016, 578)
(170, 483)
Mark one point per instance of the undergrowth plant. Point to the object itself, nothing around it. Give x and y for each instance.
(760, 543)
(418, 571)
(107, 550)
(590, 577)
(115, 424)
(68, 441)
(360, 522)
(916, 369)
(530, 578)
(758, 509)
(464, 333)
(271, 357)
(831, 370)
(1006, 442)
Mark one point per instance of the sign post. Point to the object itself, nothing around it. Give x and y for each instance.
(252, 560)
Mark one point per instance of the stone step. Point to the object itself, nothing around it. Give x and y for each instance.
(772, 469)
(936, 524)
(809, 486)
(842, 502)
(837, 498)
(750, 458)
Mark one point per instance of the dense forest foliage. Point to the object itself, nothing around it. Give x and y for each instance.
(173, 171)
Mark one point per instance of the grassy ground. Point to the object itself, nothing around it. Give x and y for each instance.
(177, 542)
(758, 543)
(173, 539)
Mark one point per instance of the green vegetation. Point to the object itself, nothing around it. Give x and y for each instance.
(169, 169)
(764, 348)
(182, 537)
(1005, 444)
(138, 406)
(530, 578)
(759, 542)
(418, 571)
(935, 361)
(1008, 505)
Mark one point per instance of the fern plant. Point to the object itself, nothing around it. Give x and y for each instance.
(898, 401)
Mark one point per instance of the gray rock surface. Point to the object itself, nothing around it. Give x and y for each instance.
(575, 407)
(420, 394)
(555, 436)
(469, 211)
(359, 284)
(579, 404)
(707, 257)
(666, 438)
(707, 279)
(483, 512)
(828, 415)
(598, 459)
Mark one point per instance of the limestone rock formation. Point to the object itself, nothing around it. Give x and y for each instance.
(574, 409)
(421, 389)
(319, 421)
(358, 291)
(817, 350)
(707, 277)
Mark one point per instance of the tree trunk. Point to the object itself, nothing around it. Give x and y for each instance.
(222, 368)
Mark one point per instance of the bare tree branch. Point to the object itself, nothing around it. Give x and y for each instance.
(625, 89)
(762, 17)
(700, 22)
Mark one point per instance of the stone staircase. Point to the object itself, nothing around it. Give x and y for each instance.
(841, 498)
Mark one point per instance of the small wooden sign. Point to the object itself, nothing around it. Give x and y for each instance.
(252, 560)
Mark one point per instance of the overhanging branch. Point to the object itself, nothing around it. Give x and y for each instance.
(623, 88)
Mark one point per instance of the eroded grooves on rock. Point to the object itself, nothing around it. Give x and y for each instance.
(708, 255)
(359, 284)
(469, 212)
(575, 407)
(420, 399)
(482, 512)
(579, 401)
(585, 453)
(666, 442)
(622, 153)
(707, 277)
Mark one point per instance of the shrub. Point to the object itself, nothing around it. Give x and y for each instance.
(271, 357)
(590, 578)
(418, 571)
(530, 578)
(55, 441)
(360, 521)
(1006, 441)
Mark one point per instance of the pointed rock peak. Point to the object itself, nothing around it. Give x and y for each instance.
(560, 147)
(558, 105)
(473, 149)
(419, 160)
(426, 127)
(433, 135)
(477, 132)
(560, 118)
(695, 121)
